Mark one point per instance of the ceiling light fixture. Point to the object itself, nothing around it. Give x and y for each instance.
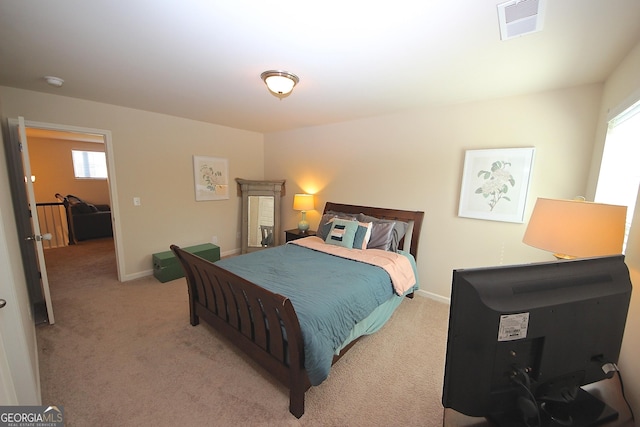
(280, 83)
(54, 81)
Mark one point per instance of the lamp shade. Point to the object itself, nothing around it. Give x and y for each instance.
(573, 228)
(303, 202)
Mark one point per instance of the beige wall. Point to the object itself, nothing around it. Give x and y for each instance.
(52, 166)
(621, 90)
(414, 160)
(153, 160)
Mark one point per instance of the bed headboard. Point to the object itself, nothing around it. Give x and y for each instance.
(411, 217)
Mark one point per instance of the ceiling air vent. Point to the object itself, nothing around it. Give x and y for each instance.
(520, 17)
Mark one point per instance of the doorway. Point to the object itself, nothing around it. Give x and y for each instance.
(71, 132)
(70, 167)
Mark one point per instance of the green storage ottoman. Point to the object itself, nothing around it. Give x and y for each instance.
(166, 266)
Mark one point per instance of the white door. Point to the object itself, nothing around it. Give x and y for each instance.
(37, 237)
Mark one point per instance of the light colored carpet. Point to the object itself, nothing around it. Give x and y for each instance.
(124, 354)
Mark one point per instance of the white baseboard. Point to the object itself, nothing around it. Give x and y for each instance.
(137, 275)
(230, 253)
(433, 296)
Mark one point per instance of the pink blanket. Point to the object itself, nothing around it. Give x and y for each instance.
(398, 266)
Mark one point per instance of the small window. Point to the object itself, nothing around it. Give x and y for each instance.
(89, 164)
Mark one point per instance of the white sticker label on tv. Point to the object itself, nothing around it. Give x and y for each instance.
(513, 326)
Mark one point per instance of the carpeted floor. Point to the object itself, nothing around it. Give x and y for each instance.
(124, 354)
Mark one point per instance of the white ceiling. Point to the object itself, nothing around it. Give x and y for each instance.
(202, 59)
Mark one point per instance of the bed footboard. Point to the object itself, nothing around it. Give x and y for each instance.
(262, 324)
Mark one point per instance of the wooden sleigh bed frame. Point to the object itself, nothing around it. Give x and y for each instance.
(242, 311)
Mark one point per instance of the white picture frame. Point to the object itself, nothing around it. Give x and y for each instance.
(495, 184)
(211, 178)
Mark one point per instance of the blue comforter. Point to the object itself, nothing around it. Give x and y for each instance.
(330, 294)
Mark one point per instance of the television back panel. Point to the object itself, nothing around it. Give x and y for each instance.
(558, 321)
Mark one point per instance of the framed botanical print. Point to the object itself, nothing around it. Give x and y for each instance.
(211, 176)
(495, 183)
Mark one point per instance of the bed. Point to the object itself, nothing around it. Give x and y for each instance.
(266, 304)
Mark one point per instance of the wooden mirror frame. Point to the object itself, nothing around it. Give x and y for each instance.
(260, 188)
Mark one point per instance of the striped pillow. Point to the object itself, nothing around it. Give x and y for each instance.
(342, 233)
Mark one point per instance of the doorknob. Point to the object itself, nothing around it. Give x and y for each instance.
(40, 238)
(2, 303)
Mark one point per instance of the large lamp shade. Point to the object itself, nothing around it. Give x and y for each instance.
(576, 229)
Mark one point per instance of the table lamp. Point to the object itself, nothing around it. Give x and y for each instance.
(304, 203)
(576, 229)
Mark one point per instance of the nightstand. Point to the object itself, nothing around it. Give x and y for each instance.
(295, 234)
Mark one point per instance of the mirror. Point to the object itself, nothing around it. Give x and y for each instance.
(261, 210)
(260, 213)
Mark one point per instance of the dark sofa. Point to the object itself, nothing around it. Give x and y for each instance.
(88, 221)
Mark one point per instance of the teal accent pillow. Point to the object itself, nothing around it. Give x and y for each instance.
(342, 233)
(324, 228)
(363, 234)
